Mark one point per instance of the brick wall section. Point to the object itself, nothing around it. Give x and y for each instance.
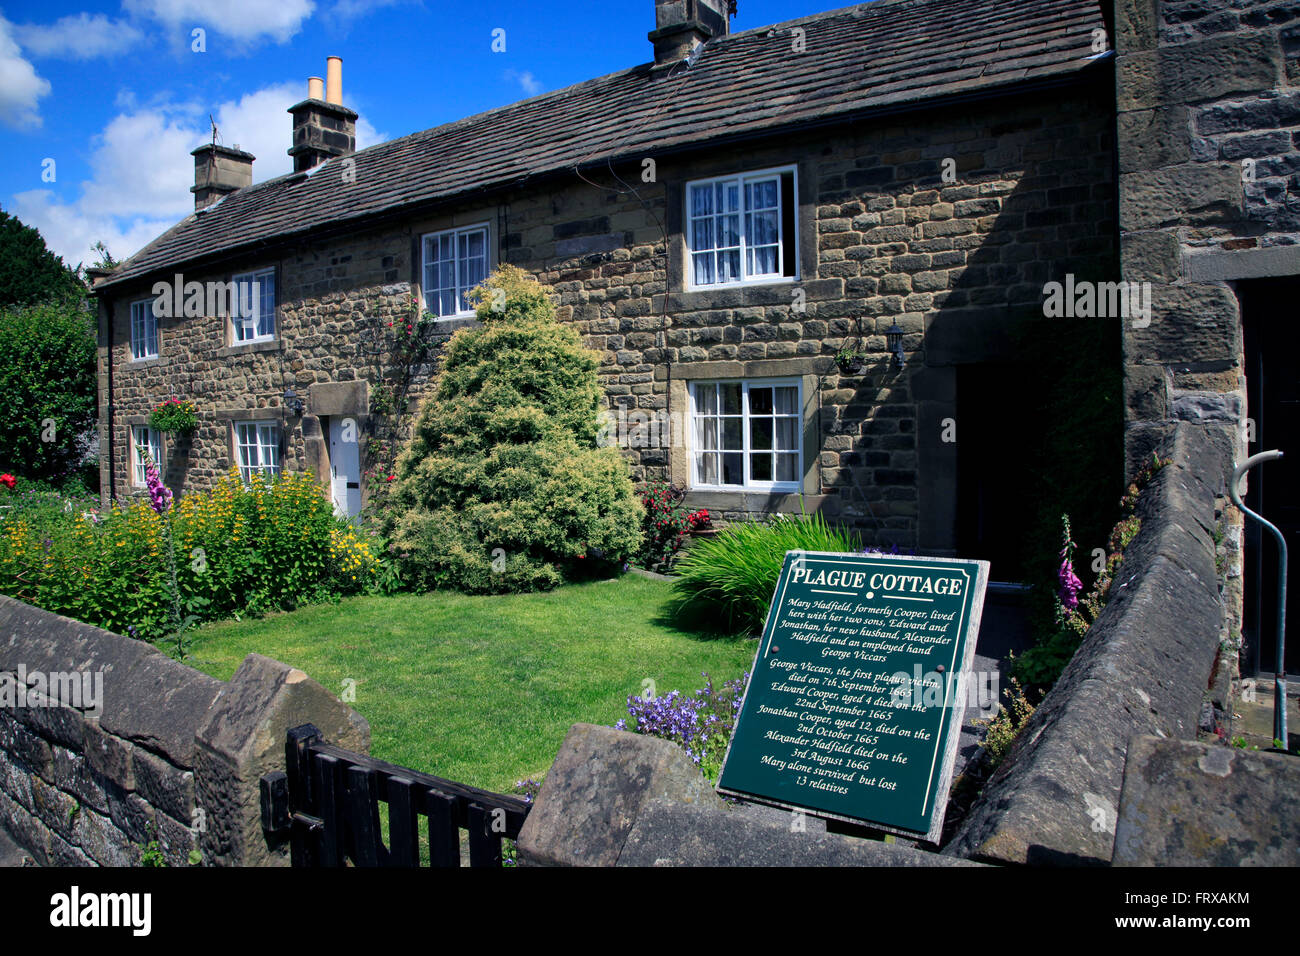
(884, 239)
(147, 749)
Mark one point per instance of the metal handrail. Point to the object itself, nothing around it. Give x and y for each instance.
(1279, 680)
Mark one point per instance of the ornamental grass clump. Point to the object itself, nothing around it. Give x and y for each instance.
(729, 579)
(503, 486)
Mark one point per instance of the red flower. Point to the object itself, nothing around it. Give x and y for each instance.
(8, 481)
(392, 477)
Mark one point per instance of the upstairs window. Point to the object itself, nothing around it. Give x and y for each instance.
(144, 330)
(145, 443)
(741, 229)
(747, 435)
(454, 262)
(253, 311)
(257, 449)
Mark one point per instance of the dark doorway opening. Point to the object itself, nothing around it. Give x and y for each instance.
(1272, 338)
(990, 452)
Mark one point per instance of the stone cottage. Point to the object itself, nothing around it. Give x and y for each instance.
(802, 251)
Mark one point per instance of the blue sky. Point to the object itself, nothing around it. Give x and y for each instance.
(116, 97)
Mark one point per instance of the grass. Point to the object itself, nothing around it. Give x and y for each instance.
(482, 689)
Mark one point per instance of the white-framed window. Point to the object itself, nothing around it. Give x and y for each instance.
(145, 442)
(257, 448)
(747, 435)
(144, 330)
(253, 309)
(741, 229)
(453, 262)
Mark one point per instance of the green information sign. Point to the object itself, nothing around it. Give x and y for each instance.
(855, 701)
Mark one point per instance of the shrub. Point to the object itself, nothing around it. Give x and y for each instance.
(666, 524)
(273, 544)
(502, 486)
(47, 389)
(730, 579)
(1005, 725)
(1042, 664)
(700, 724)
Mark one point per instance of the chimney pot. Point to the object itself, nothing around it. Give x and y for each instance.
(315, 88)
(323, 128)
(334, 80)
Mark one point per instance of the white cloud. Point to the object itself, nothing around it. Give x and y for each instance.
(20, 87)
(527, 82)
(70, 232)
(79, 37)
(245, 20)
(352, 9)
(142, 170)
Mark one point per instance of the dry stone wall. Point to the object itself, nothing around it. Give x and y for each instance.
(109, 745)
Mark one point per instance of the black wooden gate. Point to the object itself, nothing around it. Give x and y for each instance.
(327, 805)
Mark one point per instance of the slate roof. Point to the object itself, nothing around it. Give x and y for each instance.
(878, 56)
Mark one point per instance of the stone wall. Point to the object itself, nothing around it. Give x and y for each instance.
(110, 745)
(884, 237)
(1144, 668)
(1208, 99)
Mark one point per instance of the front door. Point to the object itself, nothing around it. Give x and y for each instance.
(345, 466)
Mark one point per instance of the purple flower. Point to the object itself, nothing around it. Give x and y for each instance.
(160, 496)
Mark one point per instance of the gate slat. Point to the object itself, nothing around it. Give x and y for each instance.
(403, 823)
(331, 846)
(444, 834)
(363, 816)
(484, 845)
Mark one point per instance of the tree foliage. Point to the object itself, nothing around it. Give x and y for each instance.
(47, 388)
(29, 272)
(503, 486)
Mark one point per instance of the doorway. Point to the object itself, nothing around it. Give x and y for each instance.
(989, 473)
(1273, 405)
(345, 466)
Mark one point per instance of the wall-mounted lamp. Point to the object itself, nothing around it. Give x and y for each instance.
(894, 339)
(293, 402)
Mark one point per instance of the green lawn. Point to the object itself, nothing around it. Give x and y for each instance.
(483, 689)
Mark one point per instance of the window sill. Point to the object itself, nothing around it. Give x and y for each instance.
(737, 296)
(454, 323)
(784, 502)
(146, 360)
(243, 348)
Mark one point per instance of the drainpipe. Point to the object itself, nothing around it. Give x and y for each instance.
(1279, 680)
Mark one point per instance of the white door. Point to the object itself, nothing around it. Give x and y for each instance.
(345, 466)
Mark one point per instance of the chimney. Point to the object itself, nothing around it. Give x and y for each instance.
(219, 170)
(323, 127)
(682, 25)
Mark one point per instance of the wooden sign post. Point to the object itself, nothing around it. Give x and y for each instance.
(855, 701)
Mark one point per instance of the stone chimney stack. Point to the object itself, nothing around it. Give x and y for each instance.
(323, 127)
(682, 25)
(219, 170)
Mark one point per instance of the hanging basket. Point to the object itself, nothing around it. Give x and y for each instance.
(177, 416)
